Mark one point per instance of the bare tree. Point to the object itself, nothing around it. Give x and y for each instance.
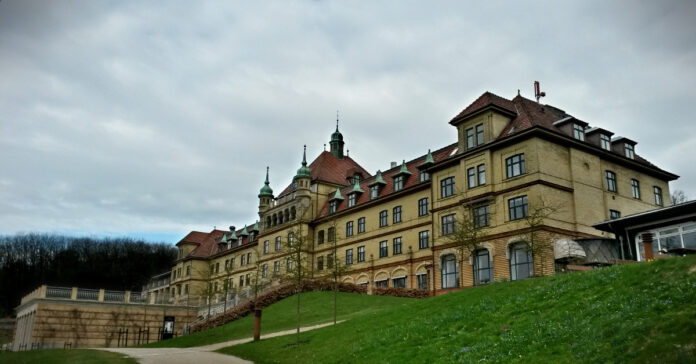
(208, 289)
(539, 243)
(467, 236)
(334, 266)
(677, 197)
(297, 249)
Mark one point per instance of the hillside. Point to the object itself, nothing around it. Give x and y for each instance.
(632, 313)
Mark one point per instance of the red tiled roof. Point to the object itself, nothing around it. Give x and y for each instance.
(330, 169)
(484, 101)
(207, 245)
(388, 177)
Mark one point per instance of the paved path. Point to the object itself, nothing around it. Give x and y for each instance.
(200, 354)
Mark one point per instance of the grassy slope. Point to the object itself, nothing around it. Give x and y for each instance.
(65, 356)
(631, 313)
(315, 308)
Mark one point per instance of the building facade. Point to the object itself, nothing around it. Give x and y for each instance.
(395, 228)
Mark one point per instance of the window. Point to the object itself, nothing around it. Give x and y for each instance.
(243, 260)
(470, 138)
(231, 266)
(374, 192)
(361, 225)
(349, 256)
(277, 243)
(333, 206)
(479, 134)
(423, 176)
(329, 261)
(264, 271)
(482, 267)
(361, 253)
(247, 279)
(241, 281)
(471, 177)
(423, 239)
(518, 207)
(351, 199)
(423, 206)
(670, 237)
(396, 248)
(611, 181)
(266, 246)
(382, 284)
(383, 249)
(320, 237)
(320, 263)
(450, 278)
(399, 282)
(657, 191)
(515, 165)
(481, 216)
(605, 141)
(248, 258)
(578, 132)
(635, 188)
(188, 270)
(289, 265)
(629, 150)
(276, 266)
(448, 224)
(383, 218)
(396, 214)
(481, 173)
(422, 280)
(398, 183)
(349, 228)
(332, 234)
(447, 187)
(521, 266)
(227, 264)
(613, 214)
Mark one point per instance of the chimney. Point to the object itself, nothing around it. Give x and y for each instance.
(393, 164)
(231, 228)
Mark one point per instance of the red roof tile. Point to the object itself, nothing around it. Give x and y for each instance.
(328, 168)
(207, 245)
(388, 177)
(484, 101)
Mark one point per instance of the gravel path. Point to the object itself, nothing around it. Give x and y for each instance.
(200, 354)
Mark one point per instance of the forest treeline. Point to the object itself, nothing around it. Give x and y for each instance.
(29, 260)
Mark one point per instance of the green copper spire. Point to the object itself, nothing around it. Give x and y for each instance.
(337, 195)
(256, 226)
(403, 169)
(429, 158)
(244, 231)
(336, 142)
(224, 238)
(304, 171)
(266, 189)
(378, 179)
(356, 187)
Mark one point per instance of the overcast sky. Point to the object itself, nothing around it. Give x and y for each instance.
(154, 119)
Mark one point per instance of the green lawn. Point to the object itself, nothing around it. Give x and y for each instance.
(77, 356)
(632, 313)
(315, 308)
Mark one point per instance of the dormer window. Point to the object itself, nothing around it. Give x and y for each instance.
(351, 199)
(578, 132)
(423, 176)
(356, 178)
(398, 183)
(251, 236)
(374, 192)
(629, 150)
(605, 142)
(474, 136)
(333, 206)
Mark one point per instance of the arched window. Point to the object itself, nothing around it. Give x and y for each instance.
(268, 221)
(280, 217)
(275, 220)
(292, 213)
(521, 265)
(287, 215)
(483, 272)
(450, 278)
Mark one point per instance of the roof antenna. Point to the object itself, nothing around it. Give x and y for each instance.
(336, 120)
(518, 92)
(325, 147)
(347, 152)
(537, 91)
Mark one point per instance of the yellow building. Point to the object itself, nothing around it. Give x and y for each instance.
(513, 159)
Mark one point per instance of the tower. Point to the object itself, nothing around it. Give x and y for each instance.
(336, 142)
(303, 177)
(265, 195)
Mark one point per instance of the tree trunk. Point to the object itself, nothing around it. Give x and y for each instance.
(334, 297)
(257, 324)
(298, 316)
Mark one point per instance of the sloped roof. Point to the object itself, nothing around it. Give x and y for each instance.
(327, 168)
(484, 101)
(388, 176)
(208, 245)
